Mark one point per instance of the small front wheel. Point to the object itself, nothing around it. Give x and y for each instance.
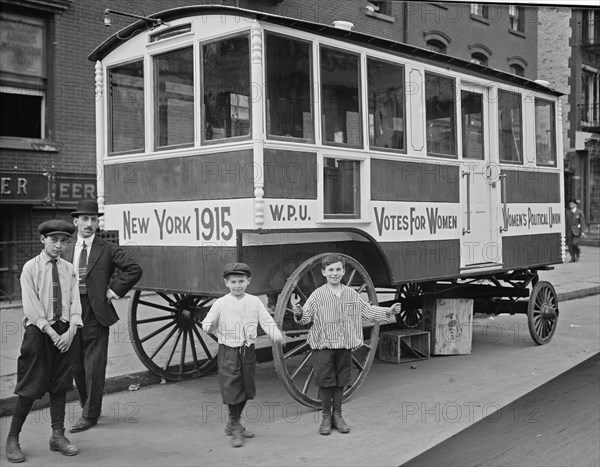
(542, 312)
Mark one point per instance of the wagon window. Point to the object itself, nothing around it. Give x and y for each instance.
(289, 98)
(471, 104)
(226, 81)
(386, 105)
(174, 98)
(340, 97)
(545, 133)
(510, 126)
(341, 188)
(441, 115)
(126, 108)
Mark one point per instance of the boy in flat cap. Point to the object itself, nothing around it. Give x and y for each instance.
(52, 315)
(234, 318)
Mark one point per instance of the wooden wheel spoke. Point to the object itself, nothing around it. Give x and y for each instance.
(173, 348)
(351, 278)
(301, 365)
(163, 342)
(298, 291)
(542, 312)
(313, 279)
(167, 299)
(183, 352)
(157, 306)
(158, 331)
(357, 363)
(193, 347)
(202, 343)
(153, 320)
(308, 381)
(298, 349)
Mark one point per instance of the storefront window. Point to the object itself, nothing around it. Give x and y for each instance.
(174, 98)
(126, 107)
(22, 76)
(386, 105)
(226, 81)
(340, 97)
(510, 127)
(440, 99)
(289, 96)
(545, 133)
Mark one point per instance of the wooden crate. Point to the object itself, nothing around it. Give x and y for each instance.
(450, 323)
(405, 345)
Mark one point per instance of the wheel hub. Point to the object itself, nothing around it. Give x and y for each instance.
(548, 312)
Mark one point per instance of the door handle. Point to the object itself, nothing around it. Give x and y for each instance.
(502, 178)
(468, 229)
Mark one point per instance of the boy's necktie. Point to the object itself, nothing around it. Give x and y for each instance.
(56, 292)
(82, 270)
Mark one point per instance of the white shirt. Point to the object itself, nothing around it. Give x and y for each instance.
(78, 247)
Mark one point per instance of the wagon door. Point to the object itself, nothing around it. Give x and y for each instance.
(479, 188)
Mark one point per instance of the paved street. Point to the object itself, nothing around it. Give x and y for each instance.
(398, 413)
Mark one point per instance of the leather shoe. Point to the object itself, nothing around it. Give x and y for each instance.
(13, 450)
(83, 424)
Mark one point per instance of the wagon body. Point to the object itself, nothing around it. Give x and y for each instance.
(463, 184)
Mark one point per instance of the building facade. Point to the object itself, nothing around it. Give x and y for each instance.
(569, 50)
(47, 135)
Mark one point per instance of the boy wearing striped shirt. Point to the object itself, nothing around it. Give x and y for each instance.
(336, 312)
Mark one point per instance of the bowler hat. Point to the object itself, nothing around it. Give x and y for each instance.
(236, 268)
(56, 226)
(87, 206)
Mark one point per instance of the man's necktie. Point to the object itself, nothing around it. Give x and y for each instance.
(82, 270)
(56, 292)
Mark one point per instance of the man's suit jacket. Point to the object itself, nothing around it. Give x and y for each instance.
(103, 259)
(575, 222)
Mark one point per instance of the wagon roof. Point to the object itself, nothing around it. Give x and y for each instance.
(399, 48)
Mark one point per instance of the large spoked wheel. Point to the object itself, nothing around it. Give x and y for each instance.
(410, 316)
(167, 336)
(293, 362)
(542, 312)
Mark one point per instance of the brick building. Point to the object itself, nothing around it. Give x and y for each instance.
(569, 44)
(47, 135)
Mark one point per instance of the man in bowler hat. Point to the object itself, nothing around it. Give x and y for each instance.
(575, 229)
(96, 260)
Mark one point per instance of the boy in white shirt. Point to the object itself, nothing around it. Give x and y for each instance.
(234, 319)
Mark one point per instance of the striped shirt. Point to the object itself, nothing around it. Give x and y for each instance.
(235, 322)
(337, 321)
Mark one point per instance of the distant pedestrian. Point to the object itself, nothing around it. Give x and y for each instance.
(52, 315)
(336, 312)
(96, 260)
(234, 318)
(575, 229)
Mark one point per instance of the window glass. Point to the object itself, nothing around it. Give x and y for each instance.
(174, 97)
(386, 105)
(21, 115)
(341, 188)
(436, 46)
(289, 97)
(126, 107)
(545, 133)
(340, 98)
(479, 9)
(226, 81)
(441, 116)
(471, 104)
(510, 127)
(479, 58)
(516, 16)
(517, 70)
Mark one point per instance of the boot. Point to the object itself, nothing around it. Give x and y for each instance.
(237, 434)
(13, 449)
(339, 424)
(325, 427)
(59, 442)
(229, 430)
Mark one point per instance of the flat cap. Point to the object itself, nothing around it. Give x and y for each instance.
(236, 268)
(56, 226)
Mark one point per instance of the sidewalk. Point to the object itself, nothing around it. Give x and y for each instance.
(571, 281)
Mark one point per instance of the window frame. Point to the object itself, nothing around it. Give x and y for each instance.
(361, 197)
(553, 146)
(454, 116)
(516, 15)
(499, 128)
(231, 139)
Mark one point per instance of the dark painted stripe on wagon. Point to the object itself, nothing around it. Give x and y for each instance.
(531, 250)
(290, 174)
(197, 269)
(529, 185)
(412, 181)
(223, 175)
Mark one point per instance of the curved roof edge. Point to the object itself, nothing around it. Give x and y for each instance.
(330, 31)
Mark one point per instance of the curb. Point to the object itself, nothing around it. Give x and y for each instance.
(147, 378)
